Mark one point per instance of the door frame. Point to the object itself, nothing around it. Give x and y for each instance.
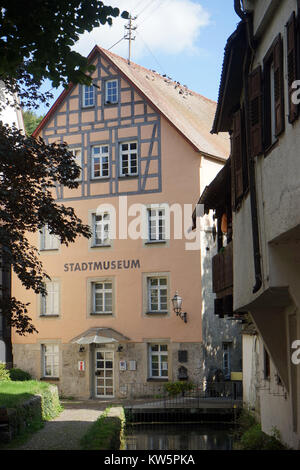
(103, 350)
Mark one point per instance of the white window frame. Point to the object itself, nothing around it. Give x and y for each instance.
(107, 91)
(129, 153)
(159, 287)
(101, 155)
(50, 303)
(90, 101)
(48, 241)
(163, 366)
(105, 233)
(157, 218)
(105, 291)
(77, 152)
(50, 352)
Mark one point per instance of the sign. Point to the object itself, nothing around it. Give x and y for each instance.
(123, 365)
(81, 365)
(103, 265)
(132, 365)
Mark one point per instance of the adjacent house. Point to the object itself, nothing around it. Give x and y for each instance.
(258, 106)
(107, 327)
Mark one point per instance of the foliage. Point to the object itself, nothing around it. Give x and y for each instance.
(106, 433)
(176, 388)
(13, 394)
(19, 375)
(250, 436)
(33, 47)
(38, 45)
(31, 121)
(30, 170)
(4, 373)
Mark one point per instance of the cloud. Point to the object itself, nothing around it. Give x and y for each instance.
(168, 26)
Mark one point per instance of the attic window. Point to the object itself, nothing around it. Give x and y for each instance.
(111, 91)
(88, 96)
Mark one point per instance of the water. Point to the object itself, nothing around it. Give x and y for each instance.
(178, 437)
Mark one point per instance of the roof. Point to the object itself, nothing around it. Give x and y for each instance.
(101, 332)
(190, 113)
(231, 79)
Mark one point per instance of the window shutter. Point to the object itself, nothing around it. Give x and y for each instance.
(278, 86)
(255, 111)
(291, 32)
(237, 153)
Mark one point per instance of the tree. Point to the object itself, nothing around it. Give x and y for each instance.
(31, 121)
(35, 44)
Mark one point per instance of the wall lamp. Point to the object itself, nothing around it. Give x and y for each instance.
(81, 349)
(177, 304)
(120, 348)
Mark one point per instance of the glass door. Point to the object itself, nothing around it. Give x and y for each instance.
(104, 373)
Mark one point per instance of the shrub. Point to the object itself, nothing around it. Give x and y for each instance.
(106, 433)
(250, 436)
(175, 388)
(19, 375)
(4, 373)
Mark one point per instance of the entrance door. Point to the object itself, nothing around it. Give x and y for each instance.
(104, 372)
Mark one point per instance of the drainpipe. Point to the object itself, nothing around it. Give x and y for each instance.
(251, 166)
(238, 9)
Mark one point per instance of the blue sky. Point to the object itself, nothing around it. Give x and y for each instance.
(184, 39)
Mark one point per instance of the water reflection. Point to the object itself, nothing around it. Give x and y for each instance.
(178, 437)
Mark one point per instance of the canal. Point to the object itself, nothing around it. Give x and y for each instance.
(179, 436)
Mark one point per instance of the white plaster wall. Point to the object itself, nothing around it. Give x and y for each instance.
(250, 371)
(9, 115)
(208, 171)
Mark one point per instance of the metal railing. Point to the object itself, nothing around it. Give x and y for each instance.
(216, 391)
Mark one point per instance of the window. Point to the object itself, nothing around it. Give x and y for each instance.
(88, 96)
(156, 224)
(111, 91)
(128, 159)
(77, 156)
(100, 161)
(102, 293)
(273, 93)
(226, 360)
(157, 294)
(48, 241)
(50, 353)
(101, 228)
(158, 360)
(50, 302)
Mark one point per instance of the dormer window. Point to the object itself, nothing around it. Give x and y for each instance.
(111, 91)
(88, 96)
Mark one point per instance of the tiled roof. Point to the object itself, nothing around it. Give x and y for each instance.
(190, 113)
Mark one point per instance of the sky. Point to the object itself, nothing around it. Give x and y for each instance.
(183, 39)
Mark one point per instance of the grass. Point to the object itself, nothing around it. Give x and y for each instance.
(14, 393)
(105, 433)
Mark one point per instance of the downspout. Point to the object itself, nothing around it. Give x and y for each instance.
(238, 9)
(251, 167)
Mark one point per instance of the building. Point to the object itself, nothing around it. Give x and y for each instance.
(221, 329)
(107, 327)
(12, 116)
(258, 105)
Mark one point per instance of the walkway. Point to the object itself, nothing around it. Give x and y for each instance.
(66, 430)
